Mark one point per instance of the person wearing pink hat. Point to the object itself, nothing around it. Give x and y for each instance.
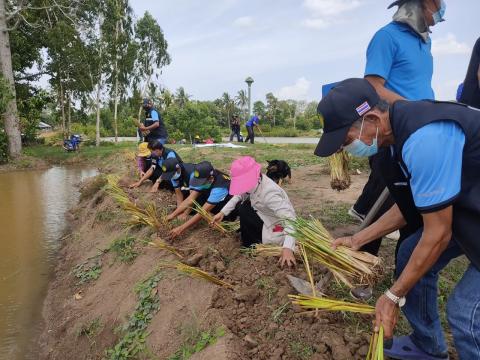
(263, 207)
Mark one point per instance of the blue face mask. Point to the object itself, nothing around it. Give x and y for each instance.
(439, 15)
(360, 149)
(176, 176)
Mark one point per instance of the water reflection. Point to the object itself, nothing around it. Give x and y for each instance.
(32, 220)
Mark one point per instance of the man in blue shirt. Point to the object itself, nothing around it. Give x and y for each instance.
(399, 66)
(251, 124)
(153, 128)
(433, 171)
(159, 154)
(209, 188)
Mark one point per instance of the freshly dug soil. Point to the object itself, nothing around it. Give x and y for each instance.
(256, 316)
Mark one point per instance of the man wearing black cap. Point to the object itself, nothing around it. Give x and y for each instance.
(209, 187)
(159, 154)
(400, 66)
(153, 127)
(179, 174)
(434, 171)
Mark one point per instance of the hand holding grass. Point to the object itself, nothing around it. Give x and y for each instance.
(386, 316)
(287, 258)
(217, 219)
(347, 241)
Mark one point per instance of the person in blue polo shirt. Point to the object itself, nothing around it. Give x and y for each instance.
(433, 171)
(208, 187)
(153, 127)
(159, 154)
(399, 66)
(250, 125)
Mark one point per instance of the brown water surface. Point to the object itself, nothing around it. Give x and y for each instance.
(32, 221)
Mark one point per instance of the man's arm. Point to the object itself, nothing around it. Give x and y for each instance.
(145, 177)
(185, 205)
(379, 84)
(191, 222)
(390, 221)
(437, 233)
(179, 196)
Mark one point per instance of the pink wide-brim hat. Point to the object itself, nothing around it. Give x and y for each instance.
(244, 174)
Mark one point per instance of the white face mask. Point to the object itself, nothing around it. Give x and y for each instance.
(176, 176)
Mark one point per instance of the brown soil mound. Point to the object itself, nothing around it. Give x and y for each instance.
(256, 317)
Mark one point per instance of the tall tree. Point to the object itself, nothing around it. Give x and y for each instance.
(121, 52)
(181, 97)
(228, 106)
(242, 101)
(10, 116)
(152, 55)
(272, 106)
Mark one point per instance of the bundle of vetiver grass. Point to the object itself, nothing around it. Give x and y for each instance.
(351, 267)
(315, 303)
(265, 250)
(226, 227)
(375, 351)
(159, 244)
(339, 172)
(196, 272)
(138, 216)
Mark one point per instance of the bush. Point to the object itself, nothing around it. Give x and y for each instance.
(304, 124)
(3, 147)
(87, 131)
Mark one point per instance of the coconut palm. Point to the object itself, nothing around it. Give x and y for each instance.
(242, 101)
(181, 97)
(228, 105)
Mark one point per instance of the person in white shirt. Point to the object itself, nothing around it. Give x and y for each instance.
(263, 208)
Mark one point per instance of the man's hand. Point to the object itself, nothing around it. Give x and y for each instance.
(287, 258)
(176, 232)
(170, 217)
(142, 174)
(218, 218)
(155, 186)
(347, 241)
(184, 216)
(135, 185)
(386, 315)
(142, 127)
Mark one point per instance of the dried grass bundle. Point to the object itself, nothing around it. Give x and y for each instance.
(339, 171)
(375, 351)
(266, 250)
(159, 244)
(226, 227)
(314, 303)
(348, 266)
(196, 272)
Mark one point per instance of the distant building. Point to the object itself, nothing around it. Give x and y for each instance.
(44, 126)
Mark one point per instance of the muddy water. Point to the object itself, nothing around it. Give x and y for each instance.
(32, 221)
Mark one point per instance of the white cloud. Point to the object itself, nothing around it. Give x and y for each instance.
(449, 46)
(244, 21)
(330, 7)
(315, 23)
(297, 91)
(322, 13)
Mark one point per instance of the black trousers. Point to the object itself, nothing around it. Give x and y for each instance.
(250, 225)
(235, 132)
(251, 134)
(164, 184)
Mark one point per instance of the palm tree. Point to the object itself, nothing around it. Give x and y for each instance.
(228, 105)
(181, 97)
(242, 101)
(167, 98)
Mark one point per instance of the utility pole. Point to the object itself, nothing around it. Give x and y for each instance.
(249, 82)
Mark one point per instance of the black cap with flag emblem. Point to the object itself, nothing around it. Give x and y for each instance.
(344, 104)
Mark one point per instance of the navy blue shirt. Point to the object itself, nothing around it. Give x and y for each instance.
(401, 57)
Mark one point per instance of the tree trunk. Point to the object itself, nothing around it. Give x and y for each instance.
(97, 130)
(69, 124)
(62, 106)
(10, 118)
(115, 93)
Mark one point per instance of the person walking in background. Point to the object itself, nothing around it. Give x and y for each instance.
(153, 128)
(235, 127)
(470, 93)
(250, 125)
(399, 66)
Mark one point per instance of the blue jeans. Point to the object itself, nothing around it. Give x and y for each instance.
(463, 309)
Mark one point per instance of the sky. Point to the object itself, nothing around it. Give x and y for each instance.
(292, 47)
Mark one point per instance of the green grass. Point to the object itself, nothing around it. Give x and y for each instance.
(333, 214)
(89, 270)
(124, 249)
(300, 350)
(195, 341)
(57, 155)
(133, 341)
(267, 286)
(91, 329)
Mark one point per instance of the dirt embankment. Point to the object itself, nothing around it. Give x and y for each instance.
(179, 315)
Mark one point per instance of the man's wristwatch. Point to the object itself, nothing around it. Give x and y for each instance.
(400, 301)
